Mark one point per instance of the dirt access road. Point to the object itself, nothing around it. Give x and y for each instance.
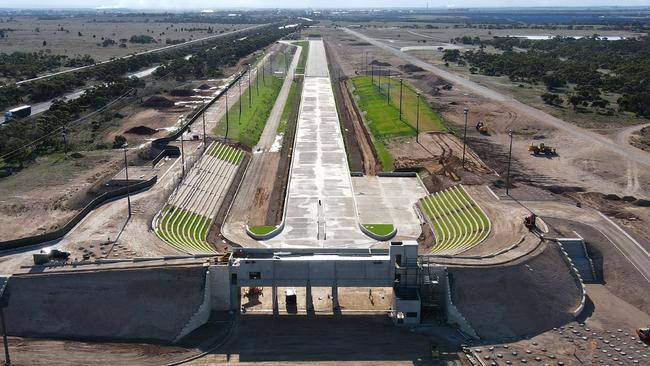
(578, 140)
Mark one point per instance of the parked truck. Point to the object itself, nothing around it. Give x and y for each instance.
(22, 112)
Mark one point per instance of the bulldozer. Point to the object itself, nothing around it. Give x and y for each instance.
(529, 221)
(482, 128)
(542, 149)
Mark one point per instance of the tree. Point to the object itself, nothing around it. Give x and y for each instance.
(119, 141)
(575, 100)
(44, 43)
(552, 99)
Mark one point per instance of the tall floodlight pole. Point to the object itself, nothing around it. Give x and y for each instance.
(417, 120)
(257, 80)
(509, 160)
(239, 99)
(465, 111)
(126, 173)
(388, 92)
(372, 74)
(65, 143)
(250, 94)
(263, 73)
(182, 155)
(379, 79)
(286, 63)
(400, 99)
(205, 142)
(227, 119)
(4, 338)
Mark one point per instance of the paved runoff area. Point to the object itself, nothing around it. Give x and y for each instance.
(320, 208)
(390, 200)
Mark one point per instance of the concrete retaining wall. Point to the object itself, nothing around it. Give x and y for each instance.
(576, 276)
(454, 316)
(142, 304)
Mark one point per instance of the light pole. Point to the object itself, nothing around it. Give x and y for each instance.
(250, 94)
(379, 79)
(417, 120)
(65, 143)
(227, 119)
(465, 135)
(182, 156)
(240, 99)
(205, 142)
(388, 91)
(400, 99)
(126, 173)
(372, 74)
(4, 337)
(509, 160)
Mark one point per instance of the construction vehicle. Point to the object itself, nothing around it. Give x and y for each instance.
(529, 221)
(48, 254)
(22, 111)
(481, 127)
(644, 334)
(542, 149)
(253, 291)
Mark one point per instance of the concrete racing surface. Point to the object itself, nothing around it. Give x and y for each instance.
(320, 208)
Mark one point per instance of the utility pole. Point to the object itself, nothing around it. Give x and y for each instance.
(227, 120)
(257, 81)
(126, 173)
(388, 92)
(286, 63)
(263, 73)
(240, 100)
(205, 140)
(372, 74)
(417, 120)
(465, 135)
(65, 143)
(509, 160)
(250, 94)
(379, 80)
(4, 337)
(400, 98)
(182, 156)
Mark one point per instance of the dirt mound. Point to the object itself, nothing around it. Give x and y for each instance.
(158, 101)
(379, 63)
(204, 87)
(141, 130)
(513, 301)
(642, 203)
(410, 68)
(181, 92)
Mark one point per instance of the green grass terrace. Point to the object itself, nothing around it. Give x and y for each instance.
(184, 230)
(381, 104)
(458, 222)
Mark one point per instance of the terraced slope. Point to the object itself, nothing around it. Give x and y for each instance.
(458, 222)
(185, 220)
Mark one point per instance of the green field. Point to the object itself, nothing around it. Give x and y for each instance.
(248, 128)
(184, 230)
(383, 117)
(261, 230)
(458, 222)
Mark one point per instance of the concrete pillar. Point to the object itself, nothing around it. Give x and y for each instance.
(336, 308)
(274, 289)
(308, 299)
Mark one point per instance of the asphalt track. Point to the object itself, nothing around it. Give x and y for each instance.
(320, 209)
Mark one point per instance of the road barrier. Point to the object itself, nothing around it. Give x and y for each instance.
(576, 276)
(59, 233)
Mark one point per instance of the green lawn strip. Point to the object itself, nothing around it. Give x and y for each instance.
(465, 216)
(161, 230)
(470, 214)
(485, 221)
(254, 115)
(261, 229)
(451, 228)
(302, 61)
(380, 229)
(180, 227)
(190, 228)
(443, 233)
(288, 106)
(430, 120)
(167, 228)
(216, 152)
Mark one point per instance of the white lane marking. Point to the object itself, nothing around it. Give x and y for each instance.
(578, 235)
(626, 234)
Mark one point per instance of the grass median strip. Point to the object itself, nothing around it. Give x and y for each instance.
(383, 117)
(262, 229)
(248, 128)
(380, 229)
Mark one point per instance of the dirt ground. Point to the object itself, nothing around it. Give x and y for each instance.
(47, 194)
(26, 38)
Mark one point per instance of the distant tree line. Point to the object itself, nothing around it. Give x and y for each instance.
(25, 65)
(580, 68)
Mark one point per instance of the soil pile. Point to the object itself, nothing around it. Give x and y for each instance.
(158, 101)
(379, 63)
(141, 130)
(204, 87)
(181, 93)
(411, 68)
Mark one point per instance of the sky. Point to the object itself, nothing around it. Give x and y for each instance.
(219, 4)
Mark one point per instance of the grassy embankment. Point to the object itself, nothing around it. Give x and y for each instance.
(382, 116)
(248, 128)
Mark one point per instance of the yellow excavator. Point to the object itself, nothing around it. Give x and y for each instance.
(482, 127)
(542, 149)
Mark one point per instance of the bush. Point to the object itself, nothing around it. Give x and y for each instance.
(119, 141)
